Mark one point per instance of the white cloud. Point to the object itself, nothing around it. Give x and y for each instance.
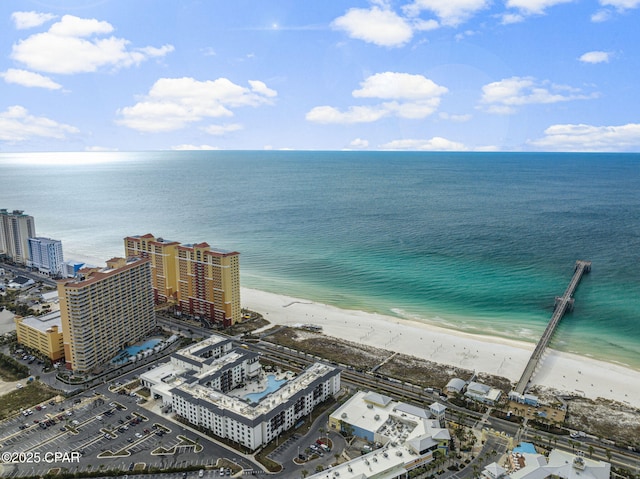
(424, 25)
(23, 20)
(590, 138)
(509, 18)
(595, 57)
(219, 130)
(601, 16)
(621, 4)
(194, 147)
(502, 97)
(399, 86)
(379, 26)
(450, 12)
(359, 143)
(534, 6)
(29, 79)
(456, 118)
(618, 5)
(173, 103)
(419, 97)
(436, 143)
(355, 114)
(73, 45)
(261, 89)
(16, 125)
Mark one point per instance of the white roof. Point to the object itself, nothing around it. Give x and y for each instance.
(456, 384)
(561, 464)
(44, 322)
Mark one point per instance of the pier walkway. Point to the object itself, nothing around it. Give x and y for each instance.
(563, 304)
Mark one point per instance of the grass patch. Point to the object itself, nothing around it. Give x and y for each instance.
(12, 370)
(33, 393)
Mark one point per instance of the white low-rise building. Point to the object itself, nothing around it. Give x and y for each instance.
(559, 464)
(409, 435)
(200, 384)
(482, 393)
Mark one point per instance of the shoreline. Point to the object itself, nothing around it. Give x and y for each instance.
(564, 372)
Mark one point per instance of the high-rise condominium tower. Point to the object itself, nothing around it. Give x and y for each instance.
(46, 255)
(202, 282)
(15, 230)
(104, 310)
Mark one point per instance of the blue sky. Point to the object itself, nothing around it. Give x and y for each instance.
(504, 75)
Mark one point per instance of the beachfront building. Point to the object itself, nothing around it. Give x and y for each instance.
(104, 310)
(45, 254)
(455, 386)
(202, 282)
(42, 334)
(410, 436)
(162, 254)
(209, 384)
(525, 463)
(15, 230)
(483, 393)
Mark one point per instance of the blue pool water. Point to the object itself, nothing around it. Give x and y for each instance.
(525, 447)
(273, 384)
(134, 349)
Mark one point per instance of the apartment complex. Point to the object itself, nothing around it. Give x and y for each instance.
(203, 383)
(42, 333)
(15, 230)
(201, 281)
(105, 310)
(46, 255)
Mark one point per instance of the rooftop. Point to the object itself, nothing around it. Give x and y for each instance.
(252, 411)
(44, 322)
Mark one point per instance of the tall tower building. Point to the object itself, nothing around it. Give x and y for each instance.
(202, 281)
(162, 255)
(209, 283)
(46, 255)
(105, 310)
(15, 230)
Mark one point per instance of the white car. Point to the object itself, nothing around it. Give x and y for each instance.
(19, 385)
(138, 435)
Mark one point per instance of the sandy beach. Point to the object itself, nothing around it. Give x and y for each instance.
(564, 372)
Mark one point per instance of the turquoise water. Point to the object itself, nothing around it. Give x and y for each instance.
(124, 355)
(477, 242)
(273, 384)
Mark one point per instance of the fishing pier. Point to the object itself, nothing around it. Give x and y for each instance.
(563, 304)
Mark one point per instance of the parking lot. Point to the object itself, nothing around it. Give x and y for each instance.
(102, 431)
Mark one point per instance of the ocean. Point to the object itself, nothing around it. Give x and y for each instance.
(477, 242)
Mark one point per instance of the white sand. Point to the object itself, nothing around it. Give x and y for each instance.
(565, 372)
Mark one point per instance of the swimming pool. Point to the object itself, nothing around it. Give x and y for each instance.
(273, 384)
(124, 355)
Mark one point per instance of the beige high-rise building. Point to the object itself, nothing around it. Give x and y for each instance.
(15, 230)
(203, 282)
(105, 310)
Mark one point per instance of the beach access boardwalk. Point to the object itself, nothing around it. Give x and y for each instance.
(563, 304)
